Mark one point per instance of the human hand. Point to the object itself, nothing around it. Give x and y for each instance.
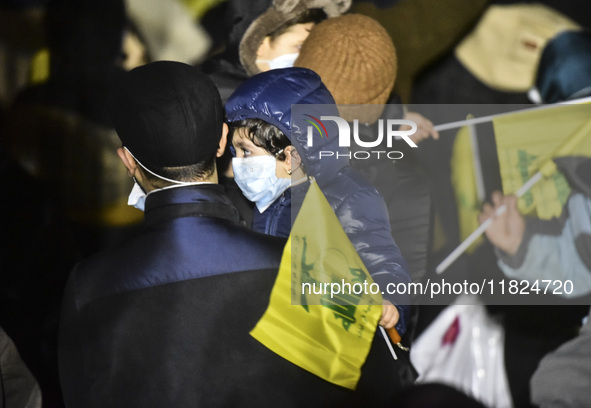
(506, 230)
(425, 127)
(390, 315)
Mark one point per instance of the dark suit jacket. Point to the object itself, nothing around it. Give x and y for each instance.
(164, 319)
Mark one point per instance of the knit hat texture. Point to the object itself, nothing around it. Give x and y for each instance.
(356, 59)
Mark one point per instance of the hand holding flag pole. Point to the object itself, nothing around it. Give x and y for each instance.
(484, 226)
(392, 337)
(546, 169)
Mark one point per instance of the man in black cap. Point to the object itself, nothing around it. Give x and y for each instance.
(162, 320)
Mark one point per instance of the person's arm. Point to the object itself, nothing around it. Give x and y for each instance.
(364, 218)
(534, 249)
(425, 128)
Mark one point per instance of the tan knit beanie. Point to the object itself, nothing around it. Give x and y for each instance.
(356, 59)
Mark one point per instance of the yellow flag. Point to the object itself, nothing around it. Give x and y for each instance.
(39, 72)
(329, 328)
(463, 180)
(527, 140)
(198, 8)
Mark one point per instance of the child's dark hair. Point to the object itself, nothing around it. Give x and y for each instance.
(264, 135)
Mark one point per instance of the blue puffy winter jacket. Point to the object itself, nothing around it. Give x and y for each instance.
(360, 208)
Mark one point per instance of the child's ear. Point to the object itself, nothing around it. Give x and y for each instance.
(295, 156)
(292, 158)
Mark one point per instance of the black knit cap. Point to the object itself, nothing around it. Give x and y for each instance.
(167, 114)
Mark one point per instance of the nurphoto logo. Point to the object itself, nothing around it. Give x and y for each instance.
(386, 128)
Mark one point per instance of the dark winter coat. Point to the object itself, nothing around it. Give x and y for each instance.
(163, 320)
(405, 190)
(358, 205)
(225, 69)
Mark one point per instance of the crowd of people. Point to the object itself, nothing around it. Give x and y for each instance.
(154, 165)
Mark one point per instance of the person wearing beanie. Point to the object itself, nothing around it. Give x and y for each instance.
(356, 59)
(163, 319)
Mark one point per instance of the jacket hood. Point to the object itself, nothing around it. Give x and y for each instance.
(269, 96)
(249, 22)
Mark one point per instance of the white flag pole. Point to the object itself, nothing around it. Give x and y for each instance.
(484, 226)
(547, 168)
(486, 119)
(387, 339)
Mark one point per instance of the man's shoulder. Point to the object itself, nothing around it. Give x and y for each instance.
(165, 256)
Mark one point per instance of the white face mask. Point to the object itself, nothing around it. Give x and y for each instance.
(257, 179)
(137, 197)
(282, 61)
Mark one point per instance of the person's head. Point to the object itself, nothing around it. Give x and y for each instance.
(280, 48)
(265, 162)
(84, 35)
(268, 137)
(255, 137)
(169, 118)
(356, 59)
(281, 29)
(564, 70)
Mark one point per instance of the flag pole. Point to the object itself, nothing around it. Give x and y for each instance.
(484, 226)
(546, 169)
(489, 118)
(387, 340)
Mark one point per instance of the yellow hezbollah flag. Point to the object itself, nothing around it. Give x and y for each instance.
(330, 327)
(527, 140)
(198, 8)
(463, 180)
